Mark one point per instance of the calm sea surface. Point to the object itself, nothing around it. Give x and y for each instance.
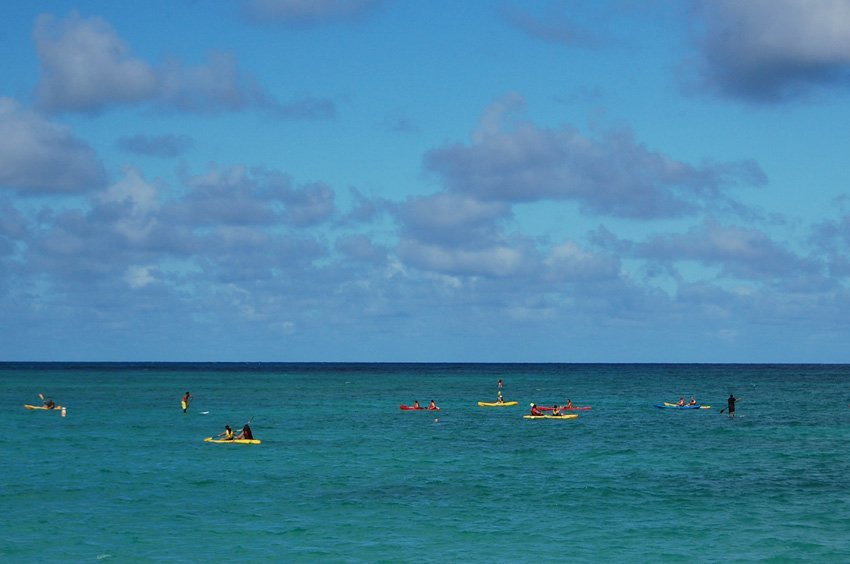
(343, 475)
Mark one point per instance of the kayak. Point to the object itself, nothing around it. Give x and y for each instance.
(496, 403)
(235, 441)
(54, 408)
(573, 408)
(567, 416)
(699, 405)
(420, 408)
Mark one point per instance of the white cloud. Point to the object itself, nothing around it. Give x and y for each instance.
(306, 12)
(87, 67)
(38, 156)
(139, 276)
(509, 160)
(774, 50)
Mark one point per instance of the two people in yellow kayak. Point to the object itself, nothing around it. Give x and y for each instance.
(228, 434)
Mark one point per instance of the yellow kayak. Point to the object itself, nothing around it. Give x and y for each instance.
(496, 403)
(567, 416)
(236, 441)
(54, 408)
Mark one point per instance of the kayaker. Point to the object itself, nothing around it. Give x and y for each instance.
(556, 410)
(499, 398)
(681, 401)
(246, 433)
(730, 405)
(49, 404)
(227, 434)
(416, 405)
(693, 401)
(569, 404)
(432, 406)
(534, 410)
(184, 403)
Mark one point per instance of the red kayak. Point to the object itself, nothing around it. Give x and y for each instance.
(573, 408)
(420, 408)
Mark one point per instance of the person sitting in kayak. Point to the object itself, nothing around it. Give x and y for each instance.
(246, 433)
(433, 406)
(556, 410)
(681, 401)
(227, 434)
(416, 405)
(534, 410)
(500, 399)
(693, 401)
(569, 404)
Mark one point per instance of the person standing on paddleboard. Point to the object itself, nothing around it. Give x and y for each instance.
(185, 402)
(730, 405)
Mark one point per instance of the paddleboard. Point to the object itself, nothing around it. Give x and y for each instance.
(496, 404)
(235, 441)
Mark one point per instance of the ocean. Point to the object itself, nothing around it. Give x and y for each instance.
(344, 475)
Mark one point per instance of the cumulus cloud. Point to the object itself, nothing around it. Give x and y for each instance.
(164, 146)
(87, 67)
(495, 260)
(509, 160)
(235, 195)
(569, 261)
(361, 248)
(740, 252)
(452, 219)
(215, 86)
(38, 156)
(306, 12)
(768, 51)
(553, 25)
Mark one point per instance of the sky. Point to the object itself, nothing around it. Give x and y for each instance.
(441, 181)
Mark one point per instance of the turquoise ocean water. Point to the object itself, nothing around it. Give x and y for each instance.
(343, 475)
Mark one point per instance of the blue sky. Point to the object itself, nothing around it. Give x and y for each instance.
(358, 180)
